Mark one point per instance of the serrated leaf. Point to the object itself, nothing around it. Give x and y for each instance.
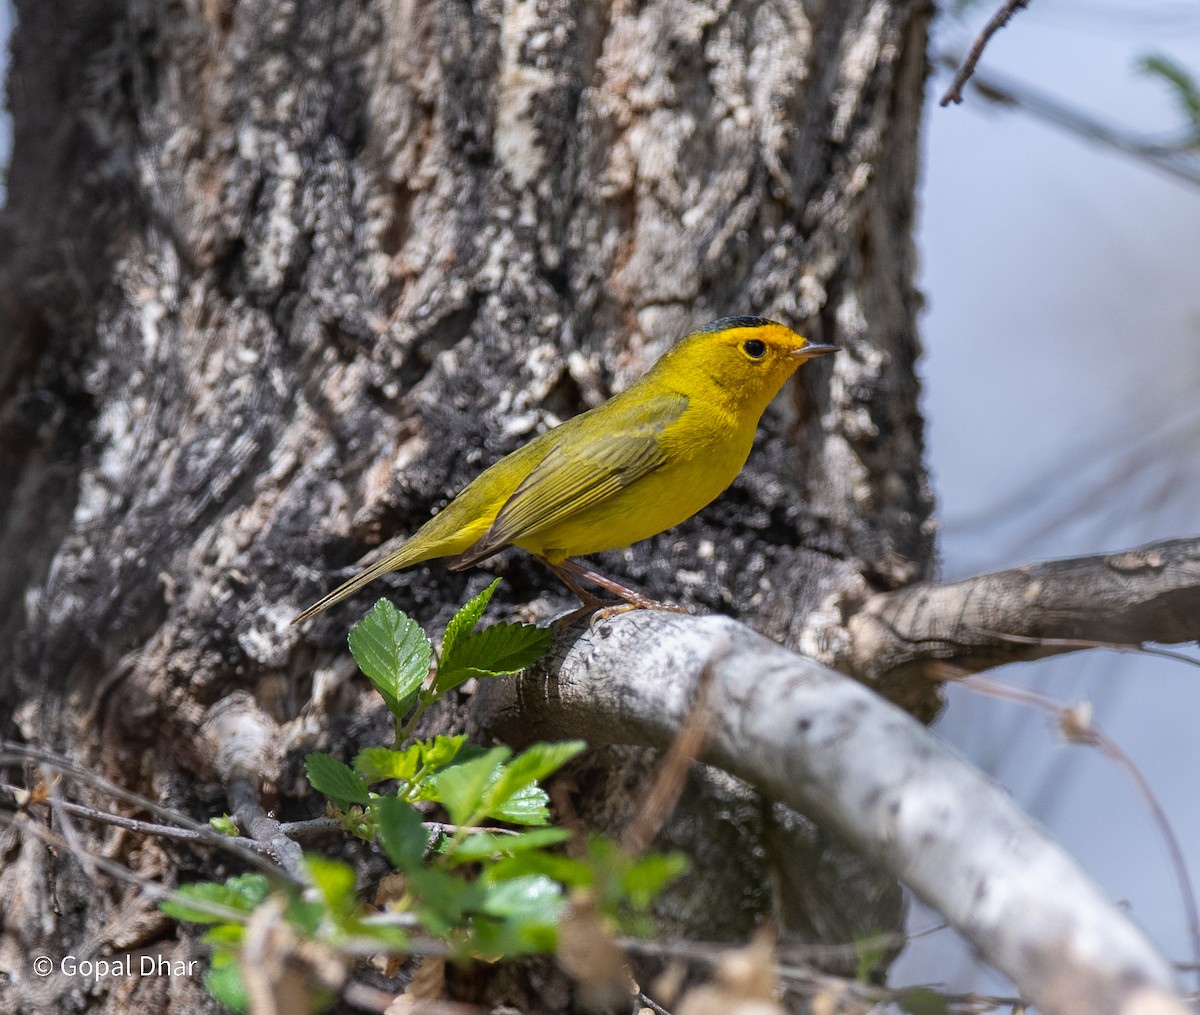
(495, 651)
(375, 764)
(515, 796)
(461, 788)
(400, 832)
(539, 761)
(484, 845)
(440, 751)
(464, 621)
(336, 780)
(529, 805)
(394, 653)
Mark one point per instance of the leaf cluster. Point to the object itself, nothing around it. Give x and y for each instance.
(473, 886)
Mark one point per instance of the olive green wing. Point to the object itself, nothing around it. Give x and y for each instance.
(593, 461)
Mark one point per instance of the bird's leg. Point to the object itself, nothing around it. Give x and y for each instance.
(568, 570)
(592, 605)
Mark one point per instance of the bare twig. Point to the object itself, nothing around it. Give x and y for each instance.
(11, 752)
(664, 794)
(250, 815)
(1078, 727)
(997, 21)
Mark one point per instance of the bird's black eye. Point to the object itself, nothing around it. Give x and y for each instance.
(754, 348)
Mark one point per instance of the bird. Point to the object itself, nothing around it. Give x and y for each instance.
(638, 464)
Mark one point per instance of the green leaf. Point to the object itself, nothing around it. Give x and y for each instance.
(529, 805)
(516, 797)
(650, 874)
(334, 882)
(565, 870)
(225, 938)
(225, 825)
(461, 788)
(537, 762)
(445, 899)
(485, 845)
(532, 896)
(401, 834)
(464, 621)
(375, 764)
(440, 751)
(394, 653)
(1180, 81)
(626, 885)
(336, 780)
(494, 651)
(242, 893)
(922, 1001)
(517, 916)
(224, 982)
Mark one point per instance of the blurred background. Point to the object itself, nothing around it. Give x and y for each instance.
(1061, 372)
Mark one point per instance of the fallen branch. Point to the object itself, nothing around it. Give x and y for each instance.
(828, 746)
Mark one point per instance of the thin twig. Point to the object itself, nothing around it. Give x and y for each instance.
(202, 836)
(711, 953)
(11, 752)
(1090, 733)
(1128, 648)
(687, 747)
(998, 21)
(1176, 157)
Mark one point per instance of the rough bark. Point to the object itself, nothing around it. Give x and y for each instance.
(1117, 600)
(281, 277)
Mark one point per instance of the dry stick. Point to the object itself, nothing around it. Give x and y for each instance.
(119, 872)
(711, 953)
(23, 753)
(685, 749)
(1090, 734)
(998, 21)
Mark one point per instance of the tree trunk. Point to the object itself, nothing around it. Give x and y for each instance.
(280, 278)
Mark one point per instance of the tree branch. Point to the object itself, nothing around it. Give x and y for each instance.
(995, 23)
(823, 743)
(1149, 594)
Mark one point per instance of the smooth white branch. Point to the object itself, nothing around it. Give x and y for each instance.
(830, 747)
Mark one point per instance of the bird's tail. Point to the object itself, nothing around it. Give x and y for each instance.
(407, 555)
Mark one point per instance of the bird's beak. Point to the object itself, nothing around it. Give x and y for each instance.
(811, 350)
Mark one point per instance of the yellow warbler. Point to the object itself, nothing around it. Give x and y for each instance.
(630, 468)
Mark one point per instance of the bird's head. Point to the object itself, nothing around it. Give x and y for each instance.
(749, 358)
